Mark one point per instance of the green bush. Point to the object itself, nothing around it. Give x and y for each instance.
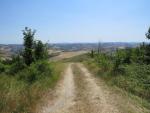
(17, 64)
(103, 62)
(15, 68)
(136, 81)
(2, 67)
(35, 71)
(43, 67)
(140, 75)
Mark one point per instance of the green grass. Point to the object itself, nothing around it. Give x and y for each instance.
(17, 95)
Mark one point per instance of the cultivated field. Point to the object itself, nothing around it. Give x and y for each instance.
(65, 55)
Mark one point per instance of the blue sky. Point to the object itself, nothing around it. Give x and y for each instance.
(75, 20)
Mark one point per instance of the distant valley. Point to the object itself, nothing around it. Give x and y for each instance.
(7, 50)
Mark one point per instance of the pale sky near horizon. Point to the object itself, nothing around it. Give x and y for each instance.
(75, 20)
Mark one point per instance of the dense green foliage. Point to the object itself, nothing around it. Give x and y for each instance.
(28, 45)
(127, 68)
(33, 50)
(40, 50)
(148, 34)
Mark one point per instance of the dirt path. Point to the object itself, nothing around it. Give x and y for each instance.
(80, 92)
(94, 95)
(63, 96)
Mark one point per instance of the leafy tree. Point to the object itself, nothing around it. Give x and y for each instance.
(148, 34)
(39, 50)
(28, 45)
(147, 55)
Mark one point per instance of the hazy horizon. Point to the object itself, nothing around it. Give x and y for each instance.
(72, 43)
(78, 21)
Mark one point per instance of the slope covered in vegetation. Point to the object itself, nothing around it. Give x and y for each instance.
(27, 76)
(128, 69)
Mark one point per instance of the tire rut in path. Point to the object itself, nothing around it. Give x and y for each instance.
(91, 94)
(64, 95)
(82, 103)
(103, 100)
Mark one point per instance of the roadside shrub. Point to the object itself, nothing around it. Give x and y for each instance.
(44, 67)
(2, 67)
(16, 67)
(7, 61)
(117, 69)
(103, 62)
(35, 71)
